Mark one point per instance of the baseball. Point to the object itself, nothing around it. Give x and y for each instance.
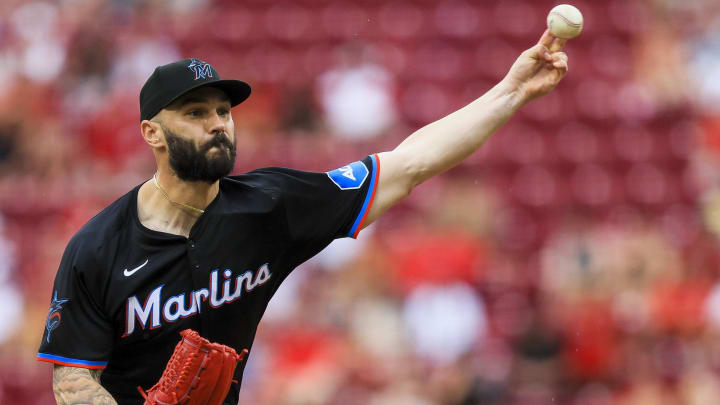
(565, 21)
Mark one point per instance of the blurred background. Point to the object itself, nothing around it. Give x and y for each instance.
(574, 260)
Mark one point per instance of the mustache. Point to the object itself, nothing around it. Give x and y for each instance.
(220, 139)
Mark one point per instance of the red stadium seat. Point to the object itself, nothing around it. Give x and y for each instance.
(647, 184)
(401, 20)
(460, 20)
(633, 142)
(425, 102)
(493, 57)
(518, 19)
(631, 17)
(535, 185)
(436, 61)
(593, 185)
(578, 143)
(611, 57)
(553, 108)
(288, 21)
(345, 21)
(681, 224)
(591, 97)
(682, 137)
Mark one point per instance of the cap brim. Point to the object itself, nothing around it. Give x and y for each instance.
(237, 90)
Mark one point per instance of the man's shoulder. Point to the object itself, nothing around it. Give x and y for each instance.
(266, 177)
(270, 181)
(252, 192)
(105, 223)
(275, 180)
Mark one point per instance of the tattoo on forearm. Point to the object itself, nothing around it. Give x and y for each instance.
(79, 386)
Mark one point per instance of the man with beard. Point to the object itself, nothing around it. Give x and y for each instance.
(195, 248)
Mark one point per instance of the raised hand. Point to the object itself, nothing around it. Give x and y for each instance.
(539, 69)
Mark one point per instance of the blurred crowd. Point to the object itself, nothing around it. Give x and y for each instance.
(574, 260)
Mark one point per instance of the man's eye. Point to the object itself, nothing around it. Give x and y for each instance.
(195, 113)
(223, 112)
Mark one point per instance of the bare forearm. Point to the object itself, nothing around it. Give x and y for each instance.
(445, 143)
(79, 386)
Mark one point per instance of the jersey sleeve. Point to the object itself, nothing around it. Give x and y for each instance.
(320, 207)
(77, 332)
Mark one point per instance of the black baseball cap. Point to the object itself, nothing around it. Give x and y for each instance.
(168, 82)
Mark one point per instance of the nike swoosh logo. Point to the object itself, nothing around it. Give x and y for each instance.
(129, 273)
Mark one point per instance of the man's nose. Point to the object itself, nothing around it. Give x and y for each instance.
(216, 123)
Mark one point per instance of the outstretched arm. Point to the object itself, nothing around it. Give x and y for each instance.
(445, 143)
(79, 386)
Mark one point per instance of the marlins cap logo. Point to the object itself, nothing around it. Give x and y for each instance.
(201, 69)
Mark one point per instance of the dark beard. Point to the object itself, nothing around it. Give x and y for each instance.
(192, 164)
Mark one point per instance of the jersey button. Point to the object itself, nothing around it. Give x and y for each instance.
(197, 267)
(192, 245)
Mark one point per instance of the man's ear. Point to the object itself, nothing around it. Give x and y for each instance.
(152, 133)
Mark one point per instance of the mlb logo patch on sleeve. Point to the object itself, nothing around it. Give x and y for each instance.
(349, 177)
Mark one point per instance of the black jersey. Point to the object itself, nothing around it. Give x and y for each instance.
(123, 292)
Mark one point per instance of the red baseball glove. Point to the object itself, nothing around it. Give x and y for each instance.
(198, 373)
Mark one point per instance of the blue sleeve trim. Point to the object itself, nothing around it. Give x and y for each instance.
(68, 361)
(354, 230)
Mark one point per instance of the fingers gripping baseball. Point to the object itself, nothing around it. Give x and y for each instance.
(549, 49)
(560, 62)
(539, 69)
(553, 51)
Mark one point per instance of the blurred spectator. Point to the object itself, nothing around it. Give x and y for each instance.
(11, 312)
(445, 322)
(8, 134)
(661, 62)
(357, 94)
(704, 54)
(297, 112)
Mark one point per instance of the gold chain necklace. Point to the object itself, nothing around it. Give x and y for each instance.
(167, 197)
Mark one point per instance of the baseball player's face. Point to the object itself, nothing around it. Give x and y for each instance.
(199, 133)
